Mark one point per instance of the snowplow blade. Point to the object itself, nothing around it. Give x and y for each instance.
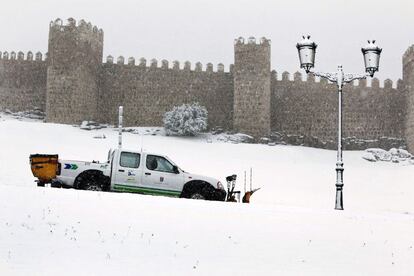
(247, 195)
(44, 166)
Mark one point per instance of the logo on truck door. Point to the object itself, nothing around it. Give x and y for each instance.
(71, 167)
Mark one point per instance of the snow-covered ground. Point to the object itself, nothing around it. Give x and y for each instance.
(290, 228)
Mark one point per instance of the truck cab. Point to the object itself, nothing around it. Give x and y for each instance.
(146, 173)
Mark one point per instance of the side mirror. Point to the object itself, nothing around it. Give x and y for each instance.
(176, 170)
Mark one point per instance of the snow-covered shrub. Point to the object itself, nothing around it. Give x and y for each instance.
(186, 120)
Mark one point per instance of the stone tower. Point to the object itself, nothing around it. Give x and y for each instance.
(74, 60)
(408, 80)
(252, 87)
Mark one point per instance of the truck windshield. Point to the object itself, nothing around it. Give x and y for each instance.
(179, 168)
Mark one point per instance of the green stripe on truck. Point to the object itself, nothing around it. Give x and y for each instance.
(145, 190)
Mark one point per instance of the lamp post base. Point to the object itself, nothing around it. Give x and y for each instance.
(339, 204)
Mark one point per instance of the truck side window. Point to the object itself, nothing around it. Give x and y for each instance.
(130, 159)
(158, 163)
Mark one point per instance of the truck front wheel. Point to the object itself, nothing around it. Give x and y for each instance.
(198, 190)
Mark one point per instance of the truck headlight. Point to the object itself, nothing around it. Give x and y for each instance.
(220, 186)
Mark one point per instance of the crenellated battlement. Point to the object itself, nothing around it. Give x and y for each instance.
(166, 65)
(309, 79)
(82, 27)
(73, 45)
(252, 41)
(408, 55)
(20, 56)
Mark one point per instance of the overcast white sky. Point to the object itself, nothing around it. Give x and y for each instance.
(204, 30)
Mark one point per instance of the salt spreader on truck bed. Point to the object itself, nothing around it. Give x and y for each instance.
(131, 171)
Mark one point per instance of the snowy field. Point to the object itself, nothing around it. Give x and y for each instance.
(290, 228)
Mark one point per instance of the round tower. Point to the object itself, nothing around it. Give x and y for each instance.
(252, 87)
(74, 58)
(408, 80)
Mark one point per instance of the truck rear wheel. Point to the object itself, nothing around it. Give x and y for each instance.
(197, 196)
(92, 181)
(93, 187)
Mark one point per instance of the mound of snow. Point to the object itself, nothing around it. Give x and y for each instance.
(99, 136)
(400, 153)
(33, 114)
(369, 156)
(154, 131)
(379, 154)
(89, 125)
(235, 138)
(394, 155)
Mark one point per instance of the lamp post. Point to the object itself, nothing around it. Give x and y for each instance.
(371, 52)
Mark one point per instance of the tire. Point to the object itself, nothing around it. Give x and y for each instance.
(92, 181)
(197, 196)
(199, 190)
(193, 188)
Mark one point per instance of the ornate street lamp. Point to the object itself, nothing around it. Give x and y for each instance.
(307, 50)
(371, 52)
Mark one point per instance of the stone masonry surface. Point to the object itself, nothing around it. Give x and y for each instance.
(252, 87)
(408, 76)
(72, 84)
(22, 82)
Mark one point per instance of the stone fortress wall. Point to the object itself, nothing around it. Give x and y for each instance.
(147, 91)
(307, 111)
(72, 84)
(22, 81)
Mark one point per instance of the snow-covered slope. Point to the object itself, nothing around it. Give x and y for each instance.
(289, 229)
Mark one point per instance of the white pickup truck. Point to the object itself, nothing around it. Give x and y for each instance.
(126, 171)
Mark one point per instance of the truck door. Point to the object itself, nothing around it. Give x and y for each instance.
(159, 175)
(128, 172)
